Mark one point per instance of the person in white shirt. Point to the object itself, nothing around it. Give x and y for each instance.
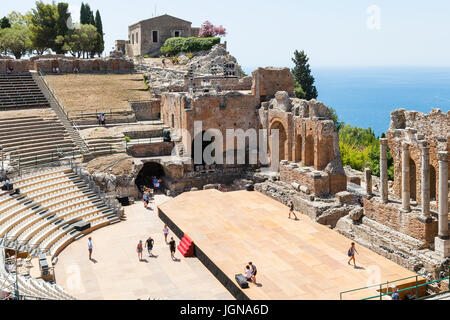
(90, 247)
(249, 275)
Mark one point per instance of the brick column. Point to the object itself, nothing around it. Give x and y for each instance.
(406, 186)
(443, 195)
(368, 176)
(383, 171)
(425, 185)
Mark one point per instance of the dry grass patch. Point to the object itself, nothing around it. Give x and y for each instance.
(98, 92)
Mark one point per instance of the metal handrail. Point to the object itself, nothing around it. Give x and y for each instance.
(377, 285)
(413, 287)
(50, 89)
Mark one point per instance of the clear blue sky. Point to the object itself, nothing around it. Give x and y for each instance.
(265, 33)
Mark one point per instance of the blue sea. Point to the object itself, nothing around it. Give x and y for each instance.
(365, 97)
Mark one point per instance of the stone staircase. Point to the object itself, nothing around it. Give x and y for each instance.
(35, 140)
(19, 91)
(106, 145)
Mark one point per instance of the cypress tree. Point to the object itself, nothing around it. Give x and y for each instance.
(61, 25)
(99, 25)
(303, 76)
(83, 14)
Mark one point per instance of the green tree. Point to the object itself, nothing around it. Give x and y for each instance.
(4, 23)
(298, 91)
(43, 26)
(61, 25)
(302, 74)
(16, 40)
(100, 47)
(80, 40)
(17, 18)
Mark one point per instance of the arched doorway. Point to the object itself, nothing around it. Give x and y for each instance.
(309, 151)
(95, 65)
(145, 176)
(413, 179)
(432, 183)
(282, 140)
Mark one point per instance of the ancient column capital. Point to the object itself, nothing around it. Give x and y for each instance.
(443, 156)
(383, 141)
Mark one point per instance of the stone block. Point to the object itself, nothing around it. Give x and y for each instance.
(442, 247)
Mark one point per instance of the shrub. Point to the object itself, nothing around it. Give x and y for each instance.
(176, 45)
(146, 56)
(127, 139)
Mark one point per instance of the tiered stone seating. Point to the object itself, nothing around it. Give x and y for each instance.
(42, 217)
(29, 287)
(20, 91)
(35, 140)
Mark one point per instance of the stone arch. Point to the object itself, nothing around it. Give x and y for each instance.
(433, 182)
(282, 139)
(413, 179)
(149, 170)
(298, 148)
(95, 65)
(55, 64)
(309, 151)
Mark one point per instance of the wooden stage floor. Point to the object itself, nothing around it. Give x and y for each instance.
(296, 260)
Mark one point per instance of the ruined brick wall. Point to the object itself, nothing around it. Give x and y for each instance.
(17, 65)
(268, 81)
(405, 222)
(306, 136)
(413, 127)
(146, 110)
(152, 149)
(222, 111)
(67, 65)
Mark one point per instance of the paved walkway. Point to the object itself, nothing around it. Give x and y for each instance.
(117, 273)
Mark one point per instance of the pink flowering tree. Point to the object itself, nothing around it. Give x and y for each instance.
(208, 30)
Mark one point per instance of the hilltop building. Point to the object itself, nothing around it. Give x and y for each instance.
(146, 37)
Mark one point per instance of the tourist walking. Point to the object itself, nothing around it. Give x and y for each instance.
(139, 250)
(172, 246)
(166, 232)
(291, 209)
(146, 199)
(99, 119)
(90, 247)
(351, 254)
(103, 119)
(149, 244)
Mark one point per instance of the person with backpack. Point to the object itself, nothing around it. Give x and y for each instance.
(351, 254)
(139, 250)
(291, 210)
